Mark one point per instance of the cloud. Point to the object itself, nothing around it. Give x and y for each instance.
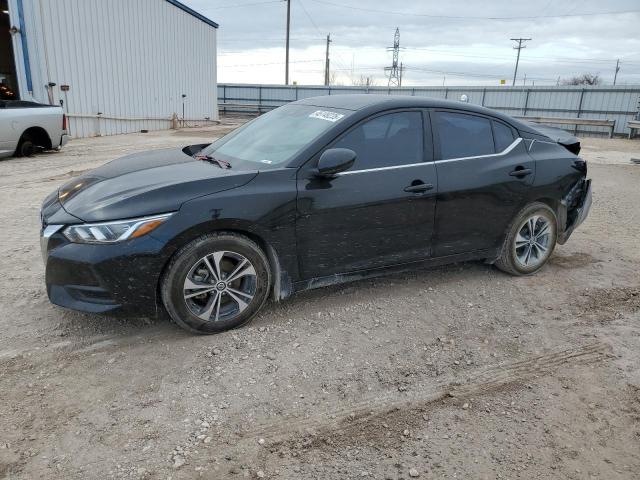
(460, 51)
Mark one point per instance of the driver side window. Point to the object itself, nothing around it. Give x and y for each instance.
(386, 141)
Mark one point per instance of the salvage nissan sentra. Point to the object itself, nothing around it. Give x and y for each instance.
(317, 192)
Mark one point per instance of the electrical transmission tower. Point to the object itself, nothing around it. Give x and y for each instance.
(395, 71)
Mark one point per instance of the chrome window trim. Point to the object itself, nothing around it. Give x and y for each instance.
(506, 151)
(380, 169)
(534, 140)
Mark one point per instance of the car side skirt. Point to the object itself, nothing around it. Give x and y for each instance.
(320, 282)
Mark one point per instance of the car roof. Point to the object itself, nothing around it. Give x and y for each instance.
(361, 101)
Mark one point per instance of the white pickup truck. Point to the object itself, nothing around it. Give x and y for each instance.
(28, 126)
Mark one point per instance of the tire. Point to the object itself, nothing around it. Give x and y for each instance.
(212, 305)
(26, 147)
(513, 258)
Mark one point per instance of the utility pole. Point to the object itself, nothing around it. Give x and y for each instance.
(615, 77)
(326, 62)
(286, 71)
(519, 47)
(394, 73)
(401, 71)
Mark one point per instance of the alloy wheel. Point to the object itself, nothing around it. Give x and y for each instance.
(533, 241)
(220, 286)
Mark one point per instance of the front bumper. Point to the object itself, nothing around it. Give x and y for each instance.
(102, 278)
(576, 205)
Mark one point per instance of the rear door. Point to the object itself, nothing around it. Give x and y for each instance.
(379, 212)
(484, 178)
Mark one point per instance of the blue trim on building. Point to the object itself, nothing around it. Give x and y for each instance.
(25, 47)
(190, 11)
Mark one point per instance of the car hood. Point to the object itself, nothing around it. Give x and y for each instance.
(146, 183)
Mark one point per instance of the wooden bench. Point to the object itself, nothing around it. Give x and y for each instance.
(633, 125)
(610, 124)
(245, 107)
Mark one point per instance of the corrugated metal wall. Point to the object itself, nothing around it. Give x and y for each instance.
(129, 60)
(611, 103)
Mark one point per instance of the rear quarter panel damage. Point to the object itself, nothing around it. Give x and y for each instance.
(560, 177)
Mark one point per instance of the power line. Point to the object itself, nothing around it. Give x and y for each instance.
(270, 63)
(457, 17)
(339, 59)
(244, 4)
(441, 72)
(546, 59)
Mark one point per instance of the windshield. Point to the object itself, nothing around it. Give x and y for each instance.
(274, 138)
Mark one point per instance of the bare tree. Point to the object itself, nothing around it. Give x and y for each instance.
(333, 79)
(364, 81)
(584, 79)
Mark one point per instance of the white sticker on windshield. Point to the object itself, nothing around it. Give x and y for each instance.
(328, 116)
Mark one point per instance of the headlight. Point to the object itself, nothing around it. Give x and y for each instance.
(111, 232)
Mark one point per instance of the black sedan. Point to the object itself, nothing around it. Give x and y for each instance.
(317, 192)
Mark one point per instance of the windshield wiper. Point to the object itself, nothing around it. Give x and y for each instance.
(207, 158)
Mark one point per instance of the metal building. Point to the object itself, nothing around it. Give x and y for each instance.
(117, 66)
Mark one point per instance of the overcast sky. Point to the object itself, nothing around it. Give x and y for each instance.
(453, 41)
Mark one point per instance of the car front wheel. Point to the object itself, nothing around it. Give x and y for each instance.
(216, 283)
(530, 241)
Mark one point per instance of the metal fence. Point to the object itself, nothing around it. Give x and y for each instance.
(599, 103)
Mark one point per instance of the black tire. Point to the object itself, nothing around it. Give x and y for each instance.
(509, 261)
(26, 147)
(183, 263)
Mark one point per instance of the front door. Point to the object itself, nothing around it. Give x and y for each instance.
(484, 178)
(379, 212)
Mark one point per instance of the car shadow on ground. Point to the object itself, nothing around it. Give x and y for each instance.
(81, 326)
(457, 277)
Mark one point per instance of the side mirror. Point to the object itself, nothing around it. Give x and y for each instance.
(335, 160)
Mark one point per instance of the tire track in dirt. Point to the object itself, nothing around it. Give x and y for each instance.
(481, 382)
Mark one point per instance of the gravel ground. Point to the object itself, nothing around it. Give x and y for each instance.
(456, 372)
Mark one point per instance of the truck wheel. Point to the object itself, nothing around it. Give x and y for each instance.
(26, 148)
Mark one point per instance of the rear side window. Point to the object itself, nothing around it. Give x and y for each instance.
(386, 141)
(503, 136)
(461, 135)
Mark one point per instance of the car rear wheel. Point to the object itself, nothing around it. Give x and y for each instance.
(216, 283)
(530, 241)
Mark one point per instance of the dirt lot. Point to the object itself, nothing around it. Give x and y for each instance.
(457, 372)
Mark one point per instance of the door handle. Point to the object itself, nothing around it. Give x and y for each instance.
(419, 188)
(521, 172)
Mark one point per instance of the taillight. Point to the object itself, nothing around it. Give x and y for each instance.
(64, 122)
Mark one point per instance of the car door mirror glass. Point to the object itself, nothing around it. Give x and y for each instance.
(335, 160)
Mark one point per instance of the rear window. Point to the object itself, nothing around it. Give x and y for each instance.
(461, 135)
(503, 136)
